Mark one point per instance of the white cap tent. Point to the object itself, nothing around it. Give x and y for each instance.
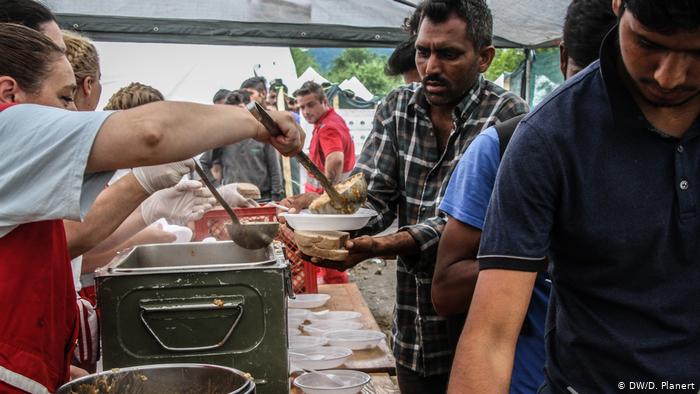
(305, 23)
(357, 87)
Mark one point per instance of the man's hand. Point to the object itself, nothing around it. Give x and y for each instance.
(154, 178)
(187, 201)
(292, 139)
(299, 202)
(153, 234)
(359, 249)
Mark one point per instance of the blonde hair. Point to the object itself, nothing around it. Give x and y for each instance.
(133, 95)
(82, 55)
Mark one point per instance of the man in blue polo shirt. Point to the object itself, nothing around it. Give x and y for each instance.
(601, 177)
(467, 197)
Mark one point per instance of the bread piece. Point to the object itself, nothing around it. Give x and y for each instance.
(248, 190)
(327, 254)
(321, 239)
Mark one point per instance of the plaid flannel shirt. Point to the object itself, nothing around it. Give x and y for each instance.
(407, 176)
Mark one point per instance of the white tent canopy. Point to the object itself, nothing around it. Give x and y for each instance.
(308, 75)
(305, 23)
(194, 76)
(357, 87)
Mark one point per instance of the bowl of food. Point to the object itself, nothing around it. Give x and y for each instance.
(343, 382)
(355, 339)
(307, 301)
(323, 357)
(306, 220)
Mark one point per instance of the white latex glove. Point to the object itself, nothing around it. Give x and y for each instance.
(234, 198)
(184, 202)
(154, 178)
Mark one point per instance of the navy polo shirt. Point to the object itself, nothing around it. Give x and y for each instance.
(614, 202)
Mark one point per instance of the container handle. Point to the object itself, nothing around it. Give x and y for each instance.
(237, 304)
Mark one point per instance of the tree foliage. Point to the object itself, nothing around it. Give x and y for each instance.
(368, 67)
(303, 60)
(506, 60)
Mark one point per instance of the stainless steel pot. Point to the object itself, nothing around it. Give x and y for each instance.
(163, 378)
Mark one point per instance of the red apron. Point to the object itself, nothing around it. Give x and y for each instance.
(38, 313)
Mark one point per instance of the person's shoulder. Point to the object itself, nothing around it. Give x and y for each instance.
(491, 89)
(400, 96)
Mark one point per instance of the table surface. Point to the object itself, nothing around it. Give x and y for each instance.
(347, 297)
(381, 383)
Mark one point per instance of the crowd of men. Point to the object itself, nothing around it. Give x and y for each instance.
(551, 251)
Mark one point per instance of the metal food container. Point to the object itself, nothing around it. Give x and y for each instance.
(163, 378)
(211, 303)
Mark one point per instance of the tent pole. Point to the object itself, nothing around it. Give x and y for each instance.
(525, 88)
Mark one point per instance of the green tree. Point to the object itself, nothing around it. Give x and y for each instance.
(506, 60)
(303, 60)
(368, 67)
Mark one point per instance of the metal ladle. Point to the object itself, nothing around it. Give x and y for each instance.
(245, 235)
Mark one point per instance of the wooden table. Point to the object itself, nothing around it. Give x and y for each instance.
(381, 383)
(347, 297)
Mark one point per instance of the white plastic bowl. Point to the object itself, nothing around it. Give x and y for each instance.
(355, 339)
(294, 322)
(305, 220)
(297, 313)
(320, 328)
(301, 343)
(331, 357)
(308, 300)
(353, 381)
(293, 332)
(335, 316)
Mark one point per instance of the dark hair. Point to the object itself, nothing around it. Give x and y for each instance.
(238, 97)
(27, 55)
(666, 16)
(403, 59)
(220, 95)
(475, 12)
(29, 13)
(311, 87)
(276, 83)
(411, 24)
(585, 26)
(133, 95)
(255, 83)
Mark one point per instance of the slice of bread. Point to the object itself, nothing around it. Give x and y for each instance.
(322, 239)
(327, 254)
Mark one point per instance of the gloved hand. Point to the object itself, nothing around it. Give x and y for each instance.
(154, 178)
(187, 201)
(234, 198)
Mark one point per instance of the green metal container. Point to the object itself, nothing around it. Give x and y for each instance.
(212, 303)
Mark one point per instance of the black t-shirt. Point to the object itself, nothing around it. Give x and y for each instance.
(589, 182)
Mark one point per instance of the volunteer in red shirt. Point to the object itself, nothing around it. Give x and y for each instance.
(331, 148)
(69, 156)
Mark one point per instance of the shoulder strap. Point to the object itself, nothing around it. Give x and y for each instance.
(506, 129)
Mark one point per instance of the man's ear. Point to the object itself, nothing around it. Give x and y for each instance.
(8, 90)
(563, 58)
(86, 85)
(486, 55)
(617, 7)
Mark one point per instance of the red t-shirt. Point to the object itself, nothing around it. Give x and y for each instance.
(330, 134)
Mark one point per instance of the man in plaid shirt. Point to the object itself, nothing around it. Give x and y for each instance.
(420, 132)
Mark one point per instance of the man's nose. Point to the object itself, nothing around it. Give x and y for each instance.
(433, 65)
(672, 70)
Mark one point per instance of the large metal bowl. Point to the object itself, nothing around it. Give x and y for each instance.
(163, 378)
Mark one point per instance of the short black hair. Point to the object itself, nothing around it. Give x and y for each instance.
(311, 87)
(666, 16)
(586, 24)
(475, 12)
(276, 83)
(220, 95)
(238, 97)
(29, 13)
(403, 59)
(255, 83)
